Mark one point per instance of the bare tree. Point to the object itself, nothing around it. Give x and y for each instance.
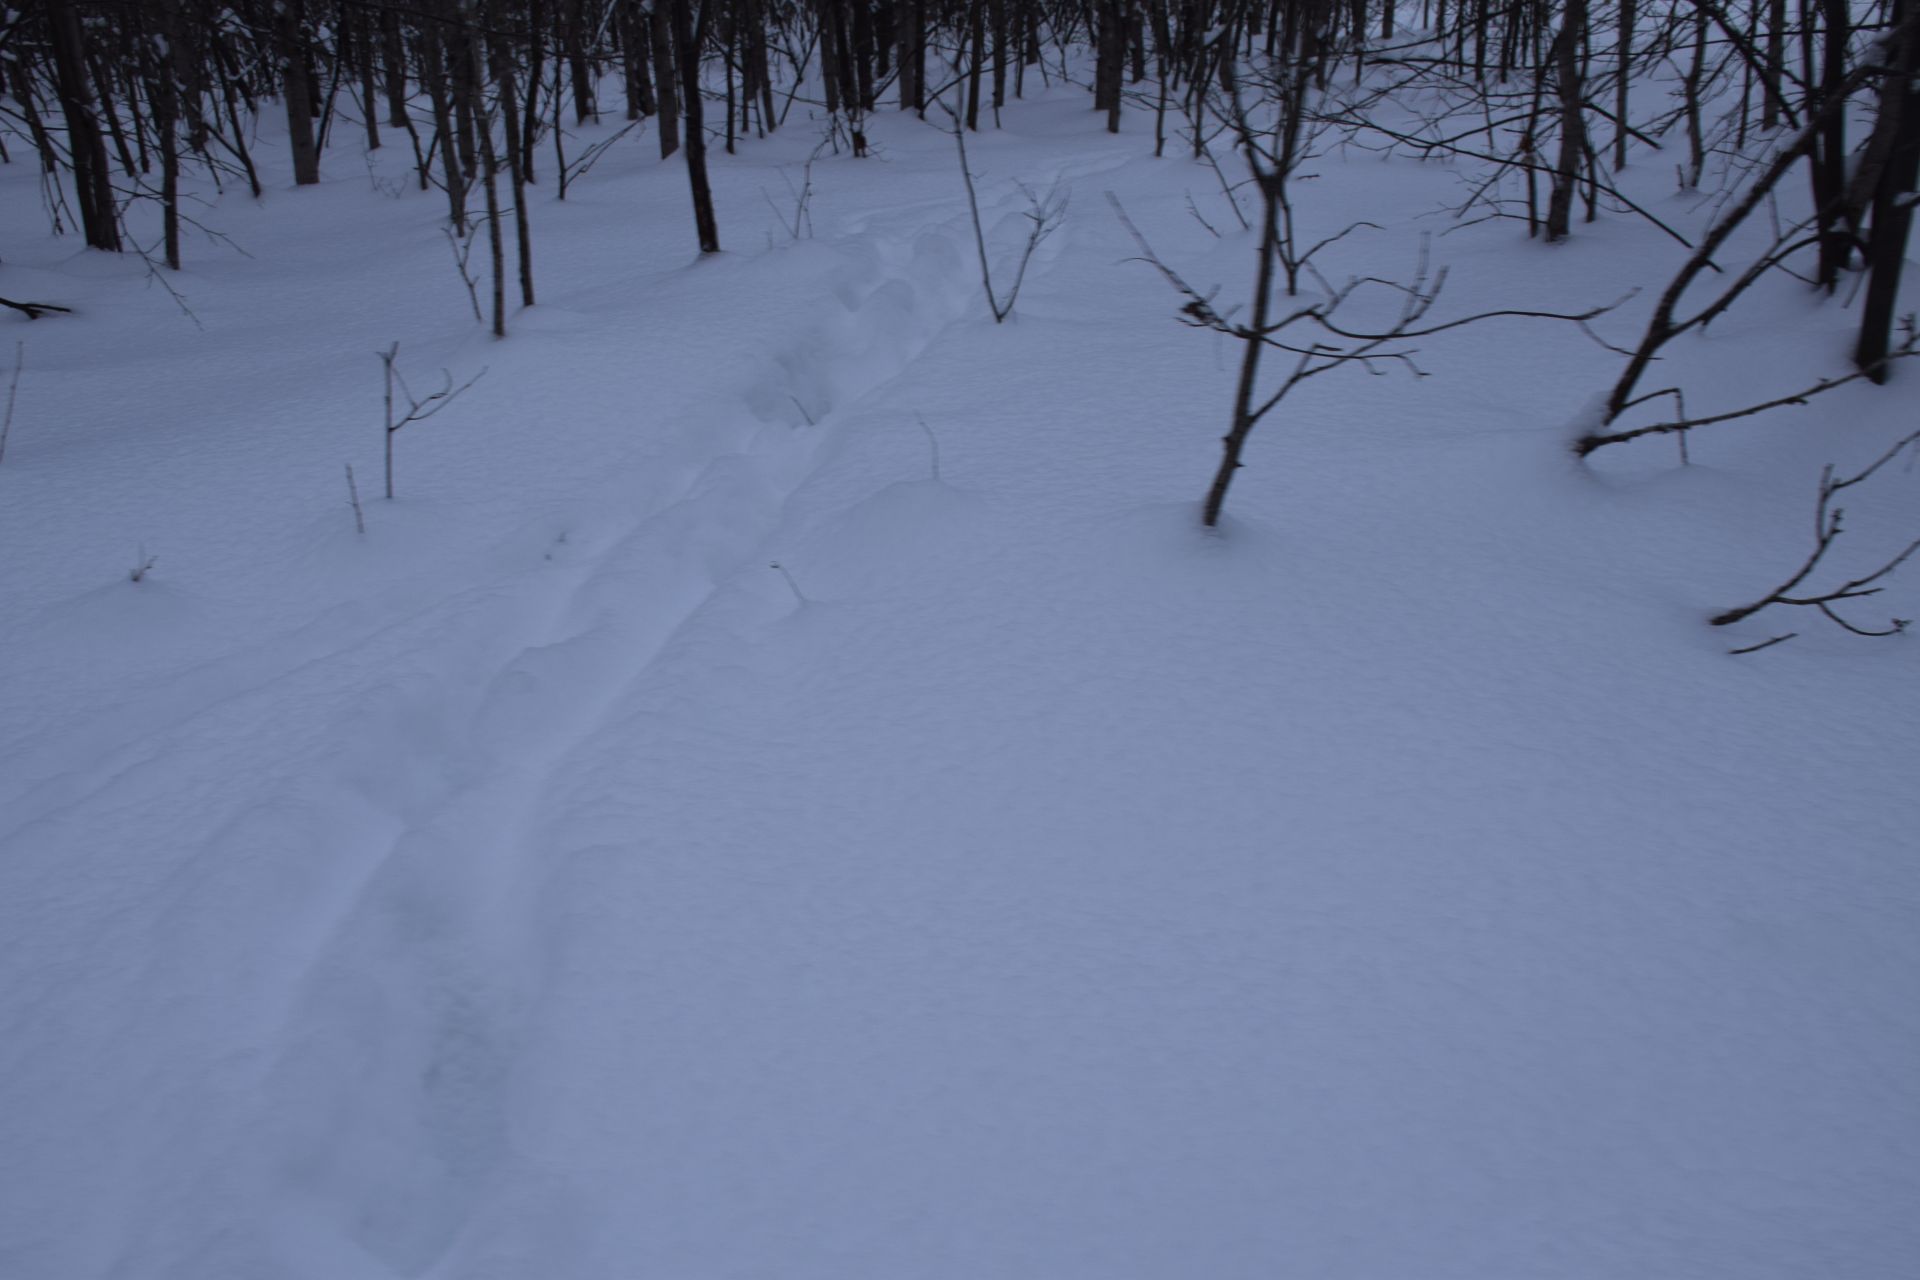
(1043, 213)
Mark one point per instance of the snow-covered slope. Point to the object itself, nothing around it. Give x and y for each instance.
(1021, 883)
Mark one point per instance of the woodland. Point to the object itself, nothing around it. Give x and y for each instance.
(1034, 639)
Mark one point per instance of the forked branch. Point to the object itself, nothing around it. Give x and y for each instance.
(1828, 525)
(416, 408)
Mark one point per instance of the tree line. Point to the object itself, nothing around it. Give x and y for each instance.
(116, 96)
(1532, 101)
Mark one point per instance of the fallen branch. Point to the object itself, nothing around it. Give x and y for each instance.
(34, 310)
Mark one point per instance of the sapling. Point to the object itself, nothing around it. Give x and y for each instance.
(13, 390)
(1045, 213)
(417, 409)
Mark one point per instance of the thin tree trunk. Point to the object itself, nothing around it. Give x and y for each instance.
(1776, 63)
(687, 43)
(508, 92)
(433, 69)
(976, 43)
(1234, 443)
(1629, 14)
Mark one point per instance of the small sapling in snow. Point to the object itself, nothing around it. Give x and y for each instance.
(416, 409)
(1043, 213)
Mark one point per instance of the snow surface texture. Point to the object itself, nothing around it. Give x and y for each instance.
(1402, 885)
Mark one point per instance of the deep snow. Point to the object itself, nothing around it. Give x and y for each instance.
(1401, 884)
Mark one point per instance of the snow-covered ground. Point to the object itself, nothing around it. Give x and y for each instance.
(1401, 884)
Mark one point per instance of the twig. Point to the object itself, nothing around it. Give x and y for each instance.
(791, 584)
(934, 442)
(1599, 439)
(1828, 525)
(1765, 644)
(353, 496)
(13, 390)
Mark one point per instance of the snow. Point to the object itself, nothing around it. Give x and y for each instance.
(1401, 882)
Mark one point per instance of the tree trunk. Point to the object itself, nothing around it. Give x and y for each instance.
(687, 43)
(1573, 132)
(1830, 156)
(433, 69)
(393, 57)
(1629, 14)
(1892, 201)
(661, 25)
(296, 88)
(86, 146)
(508, 92)
(583, 104)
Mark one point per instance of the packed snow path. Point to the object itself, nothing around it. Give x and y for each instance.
(1401, 885)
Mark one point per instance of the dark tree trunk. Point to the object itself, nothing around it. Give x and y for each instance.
(997, 17)
(1776, 63)
(583, 105)
(831, 68)
(633, 38)
(508, 91)
(1110, 52)
(1892, 201)
(1830, 156)
(163, 93)
(393, 58)
(536, 66)
(910, 44)
(471, 82)
(863, 53)
(433, 69)
(296, 88)
(1629, 13)
(758, 65)
(976, 44)
(86, 147)
(661, 24)
(1573, 131)
(687, 42)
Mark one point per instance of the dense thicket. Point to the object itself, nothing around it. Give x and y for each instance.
(113, 98)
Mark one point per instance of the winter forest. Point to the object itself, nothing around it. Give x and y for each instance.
(986, 640)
